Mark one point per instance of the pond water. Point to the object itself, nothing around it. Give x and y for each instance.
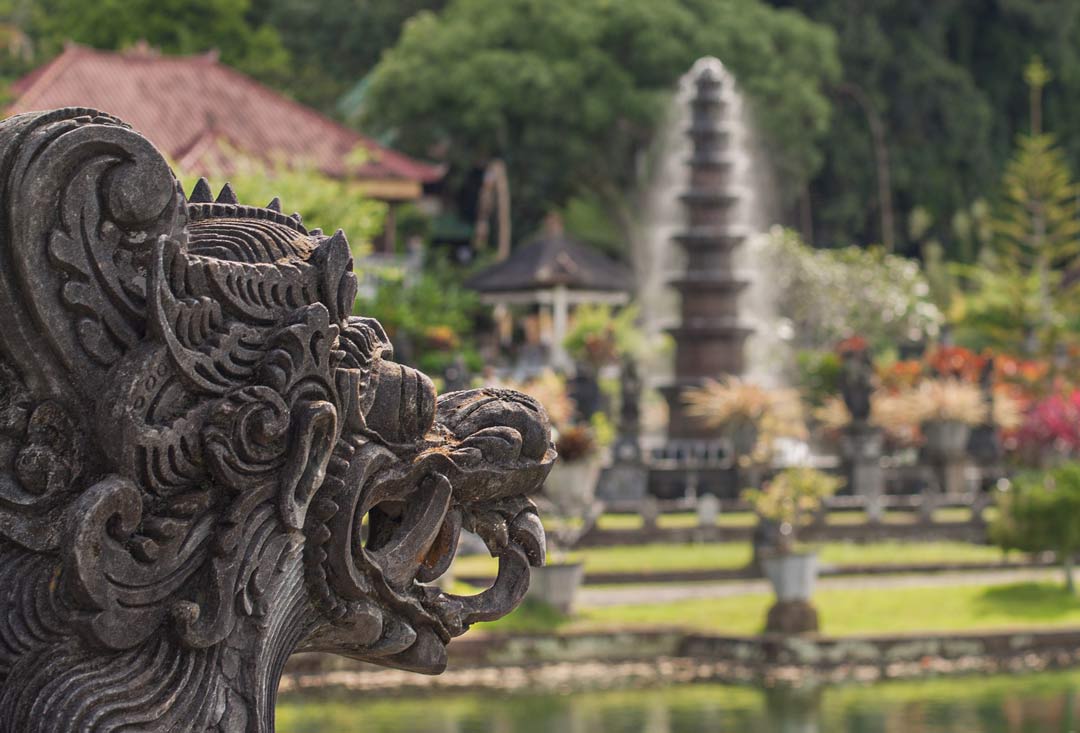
(1034, 703)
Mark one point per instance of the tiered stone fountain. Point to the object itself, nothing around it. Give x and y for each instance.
(710, 338)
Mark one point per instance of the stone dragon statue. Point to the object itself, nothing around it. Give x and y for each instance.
(207, 462)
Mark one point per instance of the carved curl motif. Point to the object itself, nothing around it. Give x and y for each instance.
(207, 462)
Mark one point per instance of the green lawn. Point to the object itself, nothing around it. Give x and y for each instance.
(895, 610)
(842, 612)
(670, 557)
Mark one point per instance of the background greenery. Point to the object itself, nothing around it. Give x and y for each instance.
(978, 146)
(568, 91)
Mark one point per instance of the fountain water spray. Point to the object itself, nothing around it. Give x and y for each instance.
(718, 304)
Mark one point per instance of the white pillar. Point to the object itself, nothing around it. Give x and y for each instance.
(560, 326)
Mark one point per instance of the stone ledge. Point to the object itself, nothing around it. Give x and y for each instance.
(627, 657)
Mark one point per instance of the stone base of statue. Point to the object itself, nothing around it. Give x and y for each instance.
(862, 448)
(951, 476)
(792, 617)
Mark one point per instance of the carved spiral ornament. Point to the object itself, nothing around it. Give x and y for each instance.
(207, 462)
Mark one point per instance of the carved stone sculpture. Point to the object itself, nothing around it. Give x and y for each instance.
(857, 383)
(207, 462)
(862, 442)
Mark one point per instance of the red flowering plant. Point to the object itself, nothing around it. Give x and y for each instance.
(1051, 427)
(956, 362)
(850, 344)
(1028, 375)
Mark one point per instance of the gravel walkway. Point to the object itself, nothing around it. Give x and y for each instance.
(598, 596)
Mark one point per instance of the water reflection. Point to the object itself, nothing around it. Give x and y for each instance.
(1043, 703)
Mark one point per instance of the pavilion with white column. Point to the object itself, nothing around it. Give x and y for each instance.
(552, 275)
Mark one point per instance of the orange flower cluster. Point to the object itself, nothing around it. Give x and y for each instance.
(852, 343)
(956, 362)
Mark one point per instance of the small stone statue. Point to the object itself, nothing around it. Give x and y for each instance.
(984, 444)
(584, 390)
(193, 426)
(857, 383)
(862, 442)
(630, 403)
(627, 448)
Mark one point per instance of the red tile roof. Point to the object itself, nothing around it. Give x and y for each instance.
(200, 112)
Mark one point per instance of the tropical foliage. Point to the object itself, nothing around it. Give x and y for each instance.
(429, 317)
(1041, 513)
(600, 335)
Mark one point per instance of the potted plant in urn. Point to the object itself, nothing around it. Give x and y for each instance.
(749, 416)
(568, 504)
(791, 500)
(567, 500)
(946, 410)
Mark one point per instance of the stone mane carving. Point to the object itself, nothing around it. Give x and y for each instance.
(194, 432)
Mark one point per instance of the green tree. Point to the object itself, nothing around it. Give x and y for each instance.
(1041, 513)
(941, 78)
(569, 91)
(1003, 308)
(430, 317)
(1019, 291)
(824, 295)
(1038, 223)
(335, 43)
(174, 26)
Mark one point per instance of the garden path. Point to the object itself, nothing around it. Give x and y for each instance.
(627, 595)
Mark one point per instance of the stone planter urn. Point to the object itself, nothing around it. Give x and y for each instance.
(946, 451)
(556, 584)
(742, 433)
(793, 576)
(571, 485)
(946, 439)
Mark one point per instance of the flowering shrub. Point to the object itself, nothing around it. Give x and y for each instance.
(1029, 374)
(1052, 422)
(792, 498)
(956, 362)
(827, 294)
(599, 335)
(441, 338)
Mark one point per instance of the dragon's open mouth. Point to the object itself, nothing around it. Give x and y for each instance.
(410, 551)
(414, 516)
